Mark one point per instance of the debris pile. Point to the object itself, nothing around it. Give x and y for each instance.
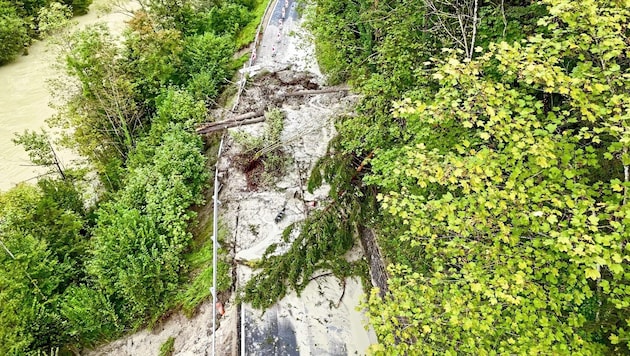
(323, 319)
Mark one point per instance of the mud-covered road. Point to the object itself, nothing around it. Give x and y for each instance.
(324, 319)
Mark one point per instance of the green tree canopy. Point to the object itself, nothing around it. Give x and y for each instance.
(13, 32)
(41, 255)
(511, 190)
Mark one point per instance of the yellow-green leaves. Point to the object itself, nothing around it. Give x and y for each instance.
(592, 273)
(513, 186)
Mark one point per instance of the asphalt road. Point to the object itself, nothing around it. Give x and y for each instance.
(305, 325)
(283, 20)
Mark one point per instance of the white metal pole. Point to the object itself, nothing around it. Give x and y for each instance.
(243, 330)
(215, 228)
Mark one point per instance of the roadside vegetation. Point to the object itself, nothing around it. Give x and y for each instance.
(490, 155)
(74, 275)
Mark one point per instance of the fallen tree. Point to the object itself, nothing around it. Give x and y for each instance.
(244, 119)
(317, 91)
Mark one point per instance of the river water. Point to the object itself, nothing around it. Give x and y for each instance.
(24, 95)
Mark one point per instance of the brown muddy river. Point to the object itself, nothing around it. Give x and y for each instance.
(24, 96)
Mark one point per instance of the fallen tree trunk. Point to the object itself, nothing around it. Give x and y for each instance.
(372, 251)
(218, 126)
(240, 118)
(317, 91)
(248, 115)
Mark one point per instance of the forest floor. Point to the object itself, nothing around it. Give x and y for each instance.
(324, 319)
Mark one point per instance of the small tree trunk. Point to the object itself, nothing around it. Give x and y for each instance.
(474, 30)
(57, 162)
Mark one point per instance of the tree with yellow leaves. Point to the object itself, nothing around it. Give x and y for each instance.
(512, 196)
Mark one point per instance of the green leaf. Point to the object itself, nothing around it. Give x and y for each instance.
(592, 273)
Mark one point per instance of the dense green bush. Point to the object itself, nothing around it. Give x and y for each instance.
(13, 33)
(228, 18)
(179, 107)
(141, 235)
(153, 56)
(89, 317)
(42, 251)
(206, 58)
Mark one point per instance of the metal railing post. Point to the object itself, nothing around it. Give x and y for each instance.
(215, 233)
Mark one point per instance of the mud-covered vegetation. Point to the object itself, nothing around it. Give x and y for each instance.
(262, 158)
(320, 242)
(490, 154)
(74, 274)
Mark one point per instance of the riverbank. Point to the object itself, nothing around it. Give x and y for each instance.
(25, 97)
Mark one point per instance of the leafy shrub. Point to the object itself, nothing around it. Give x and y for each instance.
(179, 106)
(206, 61)
(52, 18)
(141, 235)
(153, 57)
(205, 85)
(13, 33)
(41, 255)
(227, 19)
(89, 315)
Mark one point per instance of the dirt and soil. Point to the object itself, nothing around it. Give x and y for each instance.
(323, 319)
